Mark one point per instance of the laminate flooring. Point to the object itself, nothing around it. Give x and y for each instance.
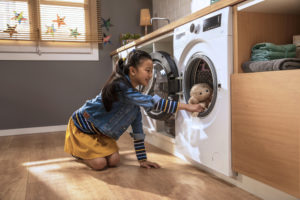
(35, 167)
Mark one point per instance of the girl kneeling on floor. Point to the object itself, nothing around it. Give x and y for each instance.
(94, 128)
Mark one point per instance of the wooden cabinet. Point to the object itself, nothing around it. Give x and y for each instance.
(266, 105)
(266, 128)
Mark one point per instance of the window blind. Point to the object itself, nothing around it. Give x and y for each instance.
(14, 20)
(51, 20)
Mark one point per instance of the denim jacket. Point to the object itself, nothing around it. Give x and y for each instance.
(125, 112)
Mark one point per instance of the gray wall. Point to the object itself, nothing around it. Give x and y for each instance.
(45, 93)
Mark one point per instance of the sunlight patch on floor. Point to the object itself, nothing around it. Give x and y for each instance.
(127, 152)
(44, 162)
(68, 179)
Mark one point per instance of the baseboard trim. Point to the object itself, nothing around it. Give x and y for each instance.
(43, 129)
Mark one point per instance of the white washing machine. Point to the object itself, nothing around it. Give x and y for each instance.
(203, 53)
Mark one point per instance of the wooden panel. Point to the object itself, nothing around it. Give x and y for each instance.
(252, 28)
(170, 27)
(266, 127)
(235, 40)
(14, 176)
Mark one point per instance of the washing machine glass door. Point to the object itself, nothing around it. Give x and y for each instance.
(163, 83)
(200, 70)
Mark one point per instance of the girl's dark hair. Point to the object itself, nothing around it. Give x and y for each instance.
(109, 93)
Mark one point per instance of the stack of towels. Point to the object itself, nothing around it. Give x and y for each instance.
(269, 51)
(270, 57)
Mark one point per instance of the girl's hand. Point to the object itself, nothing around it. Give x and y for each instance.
(148, 164)
(190, 107)
(194, 108)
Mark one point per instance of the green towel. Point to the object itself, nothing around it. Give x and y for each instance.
(273, 47)
(269, 51)
(271, 55)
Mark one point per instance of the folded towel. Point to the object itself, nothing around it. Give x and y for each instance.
(261, 55)
(272, 65)
(289, 64)
(269, 51)
(274, 47)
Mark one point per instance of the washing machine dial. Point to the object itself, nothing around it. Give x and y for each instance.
(195, 28)
(192, 27)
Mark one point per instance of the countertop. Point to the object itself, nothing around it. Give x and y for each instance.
(170, 27)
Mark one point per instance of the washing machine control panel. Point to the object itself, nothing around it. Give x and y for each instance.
(212, 22)
(209, 27)
(208, 24)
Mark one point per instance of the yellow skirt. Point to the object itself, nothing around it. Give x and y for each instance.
(87, 146)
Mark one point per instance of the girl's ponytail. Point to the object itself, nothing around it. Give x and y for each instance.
(109, 94)
(120, 66)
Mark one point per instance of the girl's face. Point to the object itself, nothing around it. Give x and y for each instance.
(143, 74)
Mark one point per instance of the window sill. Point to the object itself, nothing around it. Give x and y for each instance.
(83, 52)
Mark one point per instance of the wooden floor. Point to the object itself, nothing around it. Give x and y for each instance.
(36, 167)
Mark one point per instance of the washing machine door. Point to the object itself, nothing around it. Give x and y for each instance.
(163, 82)
(200, 69)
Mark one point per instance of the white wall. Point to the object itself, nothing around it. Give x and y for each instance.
(175, 9)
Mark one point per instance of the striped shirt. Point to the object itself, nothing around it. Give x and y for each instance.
(139, 147)
(166, 106)
(163, 105)
(87, 127)
(84, 125)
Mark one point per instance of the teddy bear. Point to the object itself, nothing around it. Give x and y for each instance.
(200, 93)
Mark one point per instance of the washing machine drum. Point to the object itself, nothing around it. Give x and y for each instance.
(200, 69)
(163, 82)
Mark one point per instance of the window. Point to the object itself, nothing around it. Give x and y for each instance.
(49, 29)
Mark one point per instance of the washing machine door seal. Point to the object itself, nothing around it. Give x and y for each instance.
(164, 82)
(200, 69)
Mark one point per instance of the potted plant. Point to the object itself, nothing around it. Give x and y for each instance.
(128, 37)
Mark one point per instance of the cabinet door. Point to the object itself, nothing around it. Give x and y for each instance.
(266, 128)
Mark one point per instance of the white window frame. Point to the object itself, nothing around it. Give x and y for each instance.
(88, 53)
(52, 51)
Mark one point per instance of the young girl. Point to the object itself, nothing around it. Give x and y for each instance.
(94, 128)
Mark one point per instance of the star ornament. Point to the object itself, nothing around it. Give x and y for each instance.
(106, 23)
(19, 17)
(50, 30)
(11, 30)
(60, 21)
(106, 39)
(74, 33)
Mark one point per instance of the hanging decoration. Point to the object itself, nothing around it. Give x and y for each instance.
(60, 21)
(51, 30)
(106, 23)
(74, 33)
(18, 17)
(106, 39)
(11, 30)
